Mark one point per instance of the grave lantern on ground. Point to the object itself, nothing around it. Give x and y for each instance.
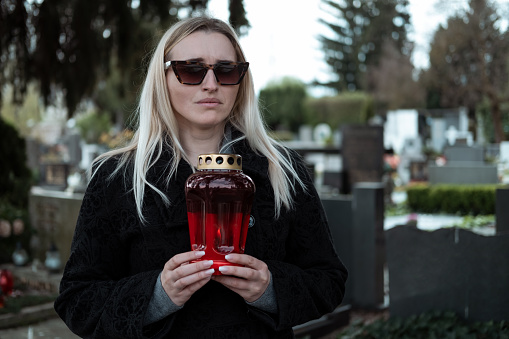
(6, 282)
(19, 256)
(53, 261)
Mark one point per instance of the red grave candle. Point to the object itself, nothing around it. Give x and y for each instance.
(219, 198)
(6, 282)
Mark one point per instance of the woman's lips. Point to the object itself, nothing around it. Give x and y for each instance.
(209, 102)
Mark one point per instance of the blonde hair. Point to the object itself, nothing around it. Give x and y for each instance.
(157, 124)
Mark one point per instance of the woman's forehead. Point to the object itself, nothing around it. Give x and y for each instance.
(204, 46)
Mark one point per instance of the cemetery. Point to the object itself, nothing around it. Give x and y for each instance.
(396, 265)
(399, 109)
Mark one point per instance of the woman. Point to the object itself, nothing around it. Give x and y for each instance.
(129, 274)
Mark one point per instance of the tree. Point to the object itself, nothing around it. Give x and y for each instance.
(238, 17)
(468, 63)
(391, 82)
(15, 183)
(15, 177)
(22, 116)
(283, 101)
(68, 44)
(359, 33)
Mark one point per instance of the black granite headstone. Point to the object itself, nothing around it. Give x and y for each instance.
(368, 245)
(362, 150)
(502, 210)
(448, 270)
(339, 215)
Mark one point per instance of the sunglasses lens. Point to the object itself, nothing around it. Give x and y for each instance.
(228, 74)
(191, 74)
(194, 73)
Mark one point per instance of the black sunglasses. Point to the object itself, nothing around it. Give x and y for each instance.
(193, 72)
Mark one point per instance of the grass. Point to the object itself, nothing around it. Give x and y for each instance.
(425, 326)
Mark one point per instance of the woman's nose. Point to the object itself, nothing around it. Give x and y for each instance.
(210, 82)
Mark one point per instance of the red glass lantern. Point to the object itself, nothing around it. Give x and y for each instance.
(219, 197)
(6, 282)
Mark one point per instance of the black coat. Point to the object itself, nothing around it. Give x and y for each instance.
(115, 261)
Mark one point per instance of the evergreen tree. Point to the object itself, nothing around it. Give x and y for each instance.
(69, 44)
(360, 29)
(238, 17)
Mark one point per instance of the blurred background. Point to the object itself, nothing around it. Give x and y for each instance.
(409, 96)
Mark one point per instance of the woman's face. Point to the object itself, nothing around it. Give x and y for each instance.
(207, 105)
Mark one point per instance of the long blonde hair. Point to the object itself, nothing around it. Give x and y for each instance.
(157, 124)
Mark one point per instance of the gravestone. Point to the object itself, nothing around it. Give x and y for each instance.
(466, 173)
(362, 151)
(438, 128)
(504, 153)
(339, 215)
(54, 175)
(53, 215)
(464, 153)
(333, 180)
(502, 211)
(465, 165)
(504, 160)
(33, 150)
(367, 270)
(448, 270)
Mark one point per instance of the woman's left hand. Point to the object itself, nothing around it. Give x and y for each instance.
(249, 281)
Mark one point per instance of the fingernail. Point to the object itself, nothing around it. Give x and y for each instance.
(199, 253)
(208, 263)
(223, 269)
(210, 271)
(227, 257)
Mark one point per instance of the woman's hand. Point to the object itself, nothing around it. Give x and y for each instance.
(180, 278)
(250, 281)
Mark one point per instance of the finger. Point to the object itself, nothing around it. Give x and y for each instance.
(181, 258)
(186, 274)
(246, 260)
(248, 290)
(232, 282)
(203, 278)
(186, 281)
(192, 269)
(180, 294)
(246, 273)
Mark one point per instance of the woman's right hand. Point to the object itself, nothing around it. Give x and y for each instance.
(180, 278)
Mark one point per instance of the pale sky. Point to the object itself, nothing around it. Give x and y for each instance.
(282, 40)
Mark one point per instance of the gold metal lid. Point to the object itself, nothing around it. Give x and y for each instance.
(219, 161)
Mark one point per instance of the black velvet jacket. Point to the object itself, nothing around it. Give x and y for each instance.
(115, 261)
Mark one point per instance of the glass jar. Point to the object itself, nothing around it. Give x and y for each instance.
(219, 197)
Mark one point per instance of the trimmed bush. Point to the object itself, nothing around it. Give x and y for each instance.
(452, 199)
(344, 108)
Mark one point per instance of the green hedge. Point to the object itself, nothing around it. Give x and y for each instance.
(342, 109)
(452, 199)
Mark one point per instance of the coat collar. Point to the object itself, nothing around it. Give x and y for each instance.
(253, 163)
